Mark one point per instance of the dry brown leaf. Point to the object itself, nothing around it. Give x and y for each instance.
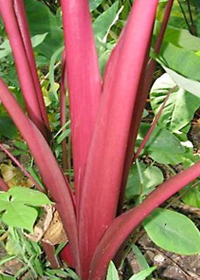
(55, 233)
(49, 228)
(42, 225)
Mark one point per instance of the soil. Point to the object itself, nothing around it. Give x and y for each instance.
(169, 266)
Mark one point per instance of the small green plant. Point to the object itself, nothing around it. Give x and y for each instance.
(17, 207)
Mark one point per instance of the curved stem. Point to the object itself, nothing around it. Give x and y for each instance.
(22, 65)
(52, 176)
(124, 225)
(23, 26)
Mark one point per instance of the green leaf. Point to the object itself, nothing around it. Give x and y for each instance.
(103, 23)
(190, 85)
(164, 147)
(112, 273)
(139, 256)
(6, 49)
(184, 62)
(104, 53)
(180, 38)
(7, 127)
(6, 277)
(192, 197)
(38, 39)
(173, 232)
(29, 196)
(41, 21)
(181, 105)
(19, 215)
(94, 4)
(142, 275)
(53, 60)
(63, 135)
(15, 206)
(152, 177)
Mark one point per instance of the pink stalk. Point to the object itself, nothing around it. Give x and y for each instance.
(84, 81)
(20, 166)
(104, 169)
(152, 63)
(124, 225)
(155, 121)
(163, 26)
(135, 124)
(23, 26)
(50, 253)
(50, 171)
(23, 69)
(141, 100)
(3, 186)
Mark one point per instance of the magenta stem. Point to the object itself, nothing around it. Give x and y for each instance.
(22, 65)
(124, 225)
(20, 166)
(23, 26)
(155, 121)
(3, 186)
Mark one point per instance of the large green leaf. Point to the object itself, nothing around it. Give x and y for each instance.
(180, 107)
(15, 206)
(180, 37)
(189, 85)
(41, 21)
(173, 232)
(162, 145)
(184, 62)
(103, 23)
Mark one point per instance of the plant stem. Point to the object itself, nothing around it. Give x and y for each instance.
(23, 26)
(143, 93)
(2, 147)
(52, 176)
(123, 225)
(108, 151)
(193, 27)
(155, 121)
(83, 80)
(185, 17)
(3, 186)
(22, 64)
(50, 253)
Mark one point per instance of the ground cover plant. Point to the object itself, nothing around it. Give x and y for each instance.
(107, 125)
